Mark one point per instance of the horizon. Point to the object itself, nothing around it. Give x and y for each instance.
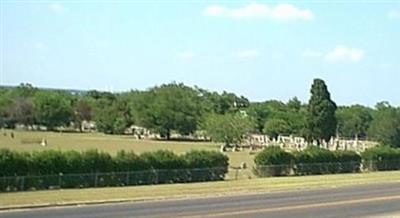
(264, 50)
(132, 89)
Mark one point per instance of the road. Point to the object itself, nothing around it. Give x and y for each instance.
(377, 200)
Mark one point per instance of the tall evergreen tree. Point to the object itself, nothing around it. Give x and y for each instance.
(320, 121)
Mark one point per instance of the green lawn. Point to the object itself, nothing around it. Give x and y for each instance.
(108, 143)
(151, 192)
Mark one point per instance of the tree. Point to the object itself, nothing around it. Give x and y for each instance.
(22, 111)
(112, 114)
(259, 113)
(320, 120)
(82, 111)
(171, 107)
(291, 114)
(52, 108)
(274, 127)
(385, 126)
(353, 121)
(294, 104)
(230, 129)
(24, 90)
(6, 99)
(223, 103)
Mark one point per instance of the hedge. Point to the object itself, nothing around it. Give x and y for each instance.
(274, 161)
(315, 160)
(41, 170)
(381, 158)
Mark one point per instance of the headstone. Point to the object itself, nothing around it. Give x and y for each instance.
(243, 165)
(222, 148)
(44, 142)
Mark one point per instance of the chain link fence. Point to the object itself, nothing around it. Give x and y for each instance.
(113, 179)
(110, 179)
(301, 169)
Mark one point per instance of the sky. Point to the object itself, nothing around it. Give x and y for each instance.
(260, 49)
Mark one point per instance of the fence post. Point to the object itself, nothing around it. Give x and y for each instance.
(156, 176)
(127, 178)
(60, 180)
(95, 179)
(22, 183)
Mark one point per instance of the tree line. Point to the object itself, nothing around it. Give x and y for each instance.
(178, 108)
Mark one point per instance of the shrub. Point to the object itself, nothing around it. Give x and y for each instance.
(273, 161)
(206, 165)
(314, 160)
(91, 168)
(349, 161)
(381, 158)
(14, 163)
(95, 162)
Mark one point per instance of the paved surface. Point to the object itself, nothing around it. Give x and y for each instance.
(378, 200)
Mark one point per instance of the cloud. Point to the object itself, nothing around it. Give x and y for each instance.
(56, 7)
(186, 55)
(284, 12)
(342, 53)
(247, 54)
(338, 54)
(394, 14)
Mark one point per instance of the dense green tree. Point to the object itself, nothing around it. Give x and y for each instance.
(52, 108)
(274, 127)
(24, 90)
(223, 103)
(112, 114)
(353, 121)
(6, 99)
(291, 114)
(259, 113)
(230, 129)
(82, 112)
(22, 111)
(320, 121)
(294, 104)
(385, 126)
(171, 107)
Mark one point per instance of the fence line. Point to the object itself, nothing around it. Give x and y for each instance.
(130, 178)
(109, 179)
(299, 169)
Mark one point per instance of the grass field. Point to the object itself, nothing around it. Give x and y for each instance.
(30, 141)
(133, 193)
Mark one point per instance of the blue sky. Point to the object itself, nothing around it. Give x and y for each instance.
(260, 49)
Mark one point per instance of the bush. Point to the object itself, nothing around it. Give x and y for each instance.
(273, 161)
(315, 161)
(349, 161)
(14, 163)
(381, 158)
(215, 162)
(165, 164)
(314, 154)
(72, 169)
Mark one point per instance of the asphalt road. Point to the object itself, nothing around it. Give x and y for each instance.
(378, 200)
